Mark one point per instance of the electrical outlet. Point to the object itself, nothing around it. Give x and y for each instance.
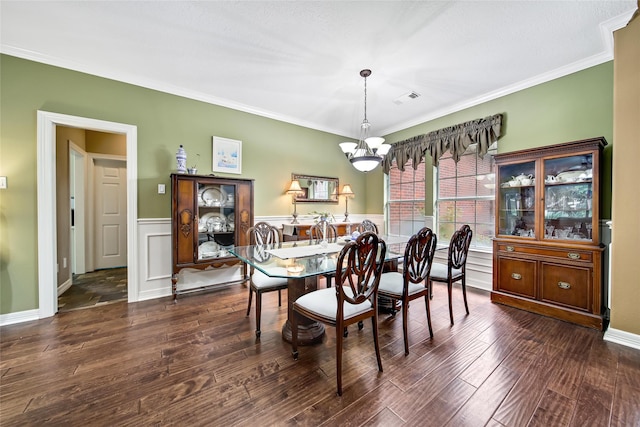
(64, 263)
(3, 182)
(161, 189)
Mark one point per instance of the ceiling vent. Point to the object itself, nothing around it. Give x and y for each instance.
(406, 97)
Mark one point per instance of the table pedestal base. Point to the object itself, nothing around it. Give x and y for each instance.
(309, 331)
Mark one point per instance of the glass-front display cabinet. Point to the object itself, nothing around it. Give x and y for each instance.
(209, 216)
(547, 252)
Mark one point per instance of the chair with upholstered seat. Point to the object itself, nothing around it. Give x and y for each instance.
(412, 282)
(264, 236)
(367, 225)
(323, 230)
(456, 267)
(354, 298)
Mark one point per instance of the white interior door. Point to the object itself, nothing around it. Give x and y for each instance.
(110, 213)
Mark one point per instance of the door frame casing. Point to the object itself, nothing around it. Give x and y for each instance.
(78, 259)
(46, 202)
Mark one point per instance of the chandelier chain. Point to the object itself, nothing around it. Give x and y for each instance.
(365, 100)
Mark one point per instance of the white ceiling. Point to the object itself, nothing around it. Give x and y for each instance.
(300, 61)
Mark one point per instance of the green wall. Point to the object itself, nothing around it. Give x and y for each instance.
(574, 107)
(272, 150)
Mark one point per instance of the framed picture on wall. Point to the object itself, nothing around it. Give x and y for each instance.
(227, 155)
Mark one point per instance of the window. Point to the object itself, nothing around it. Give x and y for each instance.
(465, 195)
(405, 200)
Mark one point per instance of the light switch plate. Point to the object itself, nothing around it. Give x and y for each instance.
(3, 182)
(161, 189)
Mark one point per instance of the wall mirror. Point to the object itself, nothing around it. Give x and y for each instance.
(317, 188)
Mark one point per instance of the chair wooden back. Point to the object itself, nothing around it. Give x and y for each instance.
(263, 233)
(367, 225)
(459, 248)
(322, 230)
(418, 256)
(264, 236)
(359, 270)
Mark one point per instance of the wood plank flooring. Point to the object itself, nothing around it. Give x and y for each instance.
(197, 363)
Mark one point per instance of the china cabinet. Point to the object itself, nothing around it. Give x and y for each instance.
(547, 256)
(209, 216)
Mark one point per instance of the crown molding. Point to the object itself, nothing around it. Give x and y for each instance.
(606, 34)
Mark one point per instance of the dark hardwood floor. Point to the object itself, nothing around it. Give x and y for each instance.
(197, 363)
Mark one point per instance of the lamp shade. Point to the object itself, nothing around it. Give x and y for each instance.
(294, 188)
(348, 147)
(365, 163)
(383, 149)
(347, 191)
(374, 142)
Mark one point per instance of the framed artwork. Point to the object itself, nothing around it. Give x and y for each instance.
(227, 155)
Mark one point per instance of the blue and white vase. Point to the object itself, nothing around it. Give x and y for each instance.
(181, 160)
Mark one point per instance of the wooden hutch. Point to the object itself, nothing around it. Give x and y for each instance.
(547, 256)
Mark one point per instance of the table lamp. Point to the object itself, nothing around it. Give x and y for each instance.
(348, 193)
(294, 190)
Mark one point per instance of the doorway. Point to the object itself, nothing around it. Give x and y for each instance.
(102, 192)
(47, 238)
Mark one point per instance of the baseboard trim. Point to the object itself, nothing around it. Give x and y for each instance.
(154, 293)
(19, 317)
(623, 338)
(63, 288)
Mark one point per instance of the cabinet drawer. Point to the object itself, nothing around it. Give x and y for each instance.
(569, 286)
(517, 276)
(565, 254)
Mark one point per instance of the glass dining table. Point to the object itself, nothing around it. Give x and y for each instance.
(301, 263)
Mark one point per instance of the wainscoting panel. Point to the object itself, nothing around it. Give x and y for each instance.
(155, 258)
(154, 255)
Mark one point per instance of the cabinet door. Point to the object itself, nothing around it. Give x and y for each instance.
(216, 213)
(566, 285)
(517, 276)
(568, 194)
(244, 211)
(517, 200)
(185, 228)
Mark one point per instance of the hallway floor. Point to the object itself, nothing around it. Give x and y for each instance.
(95, 288)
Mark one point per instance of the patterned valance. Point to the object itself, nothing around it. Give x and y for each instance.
(455, 138)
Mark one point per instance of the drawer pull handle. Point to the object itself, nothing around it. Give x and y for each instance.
(516, 276)
(564, 285)
(510, 249)
(573, 255)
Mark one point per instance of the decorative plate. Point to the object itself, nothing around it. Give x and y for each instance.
(569, 176)
(204, 219)
(213, 196)
(208, 249)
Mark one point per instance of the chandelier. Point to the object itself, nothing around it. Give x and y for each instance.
(368, 152)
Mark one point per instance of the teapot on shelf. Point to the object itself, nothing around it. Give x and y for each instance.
(523, 179)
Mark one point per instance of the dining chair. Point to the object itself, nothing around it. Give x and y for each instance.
(354, 298)
(456, 268)
(323, 230)
(367, 225)
(266, 235)
(411, 283)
